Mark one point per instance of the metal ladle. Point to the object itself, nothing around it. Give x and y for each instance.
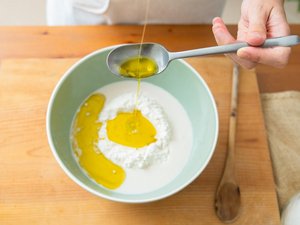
(163, 57)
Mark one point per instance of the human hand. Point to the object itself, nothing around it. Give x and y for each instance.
(260, 19)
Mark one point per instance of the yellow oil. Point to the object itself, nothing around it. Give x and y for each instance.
(131, 129)
(138, 67)
(85, 135)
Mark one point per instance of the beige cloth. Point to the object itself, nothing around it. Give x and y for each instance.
(282, 118)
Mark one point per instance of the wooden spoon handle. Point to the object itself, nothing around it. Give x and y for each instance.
(229, 170)
(228, 199)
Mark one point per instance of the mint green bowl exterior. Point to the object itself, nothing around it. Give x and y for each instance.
(179, 79)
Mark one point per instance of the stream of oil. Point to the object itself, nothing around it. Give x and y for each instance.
(140, 52)
(139, 66)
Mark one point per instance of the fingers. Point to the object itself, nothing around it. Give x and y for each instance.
(249, 57)
(223, 37)
(277, 24)
(221, 33)
(276, 57)
(257, 32)
(259, 20)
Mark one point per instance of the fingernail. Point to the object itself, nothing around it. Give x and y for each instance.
(216, 20)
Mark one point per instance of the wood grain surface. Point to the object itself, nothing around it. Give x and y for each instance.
(35, 190)
(77, 41)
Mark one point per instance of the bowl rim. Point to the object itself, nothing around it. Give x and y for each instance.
(112, 198)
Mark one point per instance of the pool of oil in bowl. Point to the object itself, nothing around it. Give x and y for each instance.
(85, 138)
(127, 180)
(130, 129)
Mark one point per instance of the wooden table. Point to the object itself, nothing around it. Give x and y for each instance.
(33, 188)
(66, 42)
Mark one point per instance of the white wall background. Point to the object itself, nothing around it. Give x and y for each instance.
(33, 12)
(22, 12)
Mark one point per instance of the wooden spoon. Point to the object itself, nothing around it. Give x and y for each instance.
(228, 198)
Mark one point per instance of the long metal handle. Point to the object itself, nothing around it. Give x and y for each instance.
(230, 48)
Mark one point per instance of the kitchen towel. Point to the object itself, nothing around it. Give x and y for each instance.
(282, 120)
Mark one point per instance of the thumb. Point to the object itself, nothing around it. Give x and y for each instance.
(257, 26)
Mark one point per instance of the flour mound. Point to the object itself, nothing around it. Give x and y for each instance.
(144, 157)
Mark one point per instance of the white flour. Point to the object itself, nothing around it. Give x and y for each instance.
(179, 147)
(144, 157)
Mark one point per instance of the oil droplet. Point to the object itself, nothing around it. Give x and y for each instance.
(90, 158)
(131, 129)
(138, 67)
